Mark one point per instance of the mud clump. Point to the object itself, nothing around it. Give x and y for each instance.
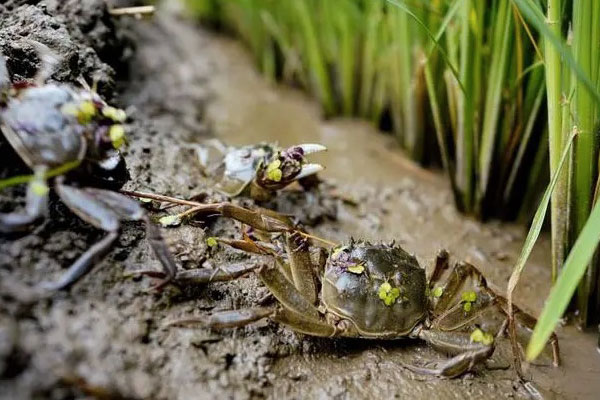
(81, 32)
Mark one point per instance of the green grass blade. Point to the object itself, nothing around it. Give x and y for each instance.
(496, 78)
(404, 8)
(536, 226)
(524, 142)
(466, 111)
(560, 296)
(452, 10)
(535, 16)
(321, 80)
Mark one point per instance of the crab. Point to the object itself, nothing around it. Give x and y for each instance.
(72, 133)
(362, 290)
(259, 170)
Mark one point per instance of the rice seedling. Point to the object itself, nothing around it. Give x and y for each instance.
(571, 31)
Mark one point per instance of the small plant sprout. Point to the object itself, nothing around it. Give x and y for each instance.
(479, 336)
(212, 242)
(356, 269)
(388, 294)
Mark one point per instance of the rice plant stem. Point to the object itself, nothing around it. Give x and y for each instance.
(558, 210)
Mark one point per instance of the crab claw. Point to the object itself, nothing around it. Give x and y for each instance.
(309, 169)
(309, 148)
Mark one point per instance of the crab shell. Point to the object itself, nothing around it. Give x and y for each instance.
(239, 167)
(36, 126)
(37, 129)
(355, 296)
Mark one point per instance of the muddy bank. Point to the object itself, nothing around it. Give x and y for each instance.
(184, 86)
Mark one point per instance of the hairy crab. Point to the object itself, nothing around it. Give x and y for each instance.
(55, 129)
(260, 170)
(362, 290)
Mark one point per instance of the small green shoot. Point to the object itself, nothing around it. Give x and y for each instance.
(388, 294)
(357, 269)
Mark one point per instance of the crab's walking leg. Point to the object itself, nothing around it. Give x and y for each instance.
(449, 311)
(83, 264)
(104, 209)
(37, 201)
(298, 312)
(204, 275)
(261, 248)
(441, 265)
(301, 266)
(529, 322)
(261, 219)
(49, 61)
(468, 353)
(91, 210)
(243, 317)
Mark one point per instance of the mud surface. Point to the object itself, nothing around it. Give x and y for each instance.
(106, 336)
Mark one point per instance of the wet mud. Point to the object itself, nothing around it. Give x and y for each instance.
(107, 335)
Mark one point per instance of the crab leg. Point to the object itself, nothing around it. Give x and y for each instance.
(301, 266)
(469, 352)
(83, 264)
(261, 248)
(261, 219)
(37, 201)
(449, 311)
(287, 293)
(49, 61)
(104, 209)
(239, 318)
(441, 265)
(203, 275)
(95, 213)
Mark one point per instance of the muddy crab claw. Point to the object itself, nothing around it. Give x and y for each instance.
(309, 169)
(263, 167)
(286, 166)
(306, 149)
(309, 148)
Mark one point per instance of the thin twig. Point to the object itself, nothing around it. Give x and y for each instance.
(135, 11)
(307, 235)
(159, 197)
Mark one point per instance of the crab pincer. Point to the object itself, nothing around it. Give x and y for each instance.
(261, 170)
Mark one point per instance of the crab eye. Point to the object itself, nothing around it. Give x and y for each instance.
(110, 171)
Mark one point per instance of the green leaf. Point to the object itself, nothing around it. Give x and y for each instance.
(469, 296)
(536, 226)
(400, 4)
(571, 273)
(536, 17)
(170, 220)
(356, 269)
